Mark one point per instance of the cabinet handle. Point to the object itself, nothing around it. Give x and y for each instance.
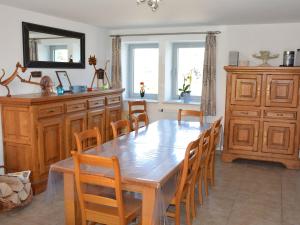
(280, 114)
(244, 113)
(51, 111)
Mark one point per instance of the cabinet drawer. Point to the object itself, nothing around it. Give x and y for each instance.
(96, 102)
(280, 114)
(75, 106)
(114, 99)
(50, 110)
(245, 113)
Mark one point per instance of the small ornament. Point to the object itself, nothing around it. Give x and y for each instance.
(265, 56)
(99, 73)
(142, 89)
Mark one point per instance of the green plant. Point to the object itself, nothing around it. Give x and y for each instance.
(186, 87)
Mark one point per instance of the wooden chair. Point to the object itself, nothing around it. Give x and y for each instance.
(120, 127)
(103, 209)
(199, 177)
(141, 118)
(192, 113)
(88, 139)
(184, 186)
(136, 108)
(210, 162)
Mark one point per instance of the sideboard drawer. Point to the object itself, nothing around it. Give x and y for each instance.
(50, 110)
(277, 114)
(245, 113)
(113, 99)
(96, 102)
(75, 106)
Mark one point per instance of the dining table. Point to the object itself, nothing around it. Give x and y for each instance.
(150, 158)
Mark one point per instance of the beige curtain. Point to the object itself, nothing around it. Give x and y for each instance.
(208, 98)
(116, 78)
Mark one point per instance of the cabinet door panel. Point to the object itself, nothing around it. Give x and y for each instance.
(17, 157)
(50, 142)
(96, 118)
(282, 90)
(279, 138)
(243, 135)
(74, 123)
(245, 89)
(113, 113)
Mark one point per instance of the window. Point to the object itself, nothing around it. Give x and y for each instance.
(188, 59)
(143, 66)
(59, 53)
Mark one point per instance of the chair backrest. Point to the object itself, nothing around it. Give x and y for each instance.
(193, 113)
(83, 177)
(137, 107)
(120, 127)
(190, 159)
(215, 135)
(88, 139)
(141, 118)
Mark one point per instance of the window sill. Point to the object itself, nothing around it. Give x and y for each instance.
(181, 102)
(140, 99)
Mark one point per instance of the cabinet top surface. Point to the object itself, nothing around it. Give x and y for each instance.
(39, 97)
(262, 69)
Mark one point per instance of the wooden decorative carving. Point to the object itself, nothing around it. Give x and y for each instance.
(99, 72)
(6, 82)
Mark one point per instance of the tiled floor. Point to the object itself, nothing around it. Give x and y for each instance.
(246, 193)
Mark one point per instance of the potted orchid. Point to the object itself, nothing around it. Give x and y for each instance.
(185, 91)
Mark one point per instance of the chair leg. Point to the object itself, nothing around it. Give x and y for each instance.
(206, 181)
(212, 171)
(177, 214)
(188, 207)
(193, 206)
(200, 196)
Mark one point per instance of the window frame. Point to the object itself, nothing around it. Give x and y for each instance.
(174, 74)
(130, 66)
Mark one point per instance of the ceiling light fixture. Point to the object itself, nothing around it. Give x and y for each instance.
(153, 4)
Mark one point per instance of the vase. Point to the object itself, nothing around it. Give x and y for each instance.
(186, 97)
(142, 93)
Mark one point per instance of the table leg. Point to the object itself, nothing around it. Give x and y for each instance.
(148, 206)
(70, 200)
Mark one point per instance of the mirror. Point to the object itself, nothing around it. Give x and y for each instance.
(47, 47)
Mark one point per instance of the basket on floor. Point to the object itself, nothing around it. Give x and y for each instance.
(7, 204)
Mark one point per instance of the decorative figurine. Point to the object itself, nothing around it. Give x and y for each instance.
(46, 85)
(43, 84)
(99, 73)
(142, 89)
(265, 56)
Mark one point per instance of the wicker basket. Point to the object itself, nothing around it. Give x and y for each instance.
(6, 205)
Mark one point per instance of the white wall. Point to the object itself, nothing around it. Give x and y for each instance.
(247, 39)
(11, 48)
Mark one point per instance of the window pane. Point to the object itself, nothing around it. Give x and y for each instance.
(190, 60)
(145, 69)
(61, 55)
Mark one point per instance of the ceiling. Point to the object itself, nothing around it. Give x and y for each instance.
(126, 13)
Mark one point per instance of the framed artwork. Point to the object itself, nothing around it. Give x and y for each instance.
(64, 80)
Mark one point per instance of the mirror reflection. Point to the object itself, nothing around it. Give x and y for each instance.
(53, 48)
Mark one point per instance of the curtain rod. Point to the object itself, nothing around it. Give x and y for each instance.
(155, 34)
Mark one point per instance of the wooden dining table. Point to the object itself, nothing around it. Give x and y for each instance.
(148, 159)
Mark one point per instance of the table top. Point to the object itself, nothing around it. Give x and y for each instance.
(149, 156)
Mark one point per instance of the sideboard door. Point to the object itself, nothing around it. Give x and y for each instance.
(96, 118)
(50, 142)
(279, 137)
(282, 90)
(74, 123)
(246, 89)
(113, 113)
(243, 135)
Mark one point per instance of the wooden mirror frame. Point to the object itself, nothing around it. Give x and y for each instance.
(26, 27)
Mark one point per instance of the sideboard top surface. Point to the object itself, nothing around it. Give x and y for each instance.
(38, 98)
(276, 69)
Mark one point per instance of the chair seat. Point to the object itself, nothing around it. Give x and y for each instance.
(103, 214)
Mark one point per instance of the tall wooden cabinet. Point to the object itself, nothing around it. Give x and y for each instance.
(38, 130)
(262, 120)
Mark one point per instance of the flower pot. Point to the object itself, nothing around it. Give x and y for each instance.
(186, 97)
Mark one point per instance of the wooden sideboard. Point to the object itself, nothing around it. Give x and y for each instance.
(262, 118)
(38, 130)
